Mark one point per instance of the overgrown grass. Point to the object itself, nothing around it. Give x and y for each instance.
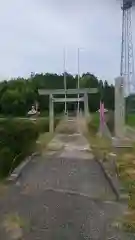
(125, 164)
(99, 144)
(126, 167)
(94, 122)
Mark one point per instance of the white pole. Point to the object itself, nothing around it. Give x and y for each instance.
(65, 85)
(78, 85)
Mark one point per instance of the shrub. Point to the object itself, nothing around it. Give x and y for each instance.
(42, 125)
(16, 140)
(6, 157)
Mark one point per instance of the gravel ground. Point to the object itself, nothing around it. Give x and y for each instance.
(61, 196)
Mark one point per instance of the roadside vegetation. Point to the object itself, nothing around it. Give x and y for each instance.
(126, 168)
(18, 139)
(101, 146)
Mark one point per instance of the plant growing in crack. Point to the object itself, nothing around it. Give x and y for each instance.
(14, 225)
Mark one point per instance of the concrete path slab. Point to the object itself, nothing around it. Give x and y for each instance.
(62, 195)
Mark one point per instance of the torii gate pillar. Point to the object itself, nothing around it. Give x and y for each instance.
(86, 106)
(119, 107)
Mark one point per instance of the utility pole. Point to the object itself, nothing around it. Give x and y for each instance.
(65, 84)
(78, 82)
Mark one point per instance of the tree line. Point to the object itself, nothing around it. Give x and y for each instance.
(18, 95)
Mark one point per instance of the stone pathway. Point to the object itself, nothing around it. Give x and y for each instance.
(62, 195)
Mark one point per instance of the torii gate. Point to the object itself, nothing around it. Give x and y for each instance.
(52, 100)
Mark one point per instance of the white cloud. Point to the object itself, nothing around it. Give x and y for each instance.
(34, 33)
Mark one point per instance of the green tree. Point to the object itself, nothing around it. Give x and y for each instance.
(17, 95)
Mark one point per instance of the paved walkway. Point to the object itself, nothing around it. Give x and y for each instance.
(62, 195)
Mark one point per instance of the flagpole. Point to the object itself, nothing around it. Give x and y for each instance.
(78, 82)
(65, 85)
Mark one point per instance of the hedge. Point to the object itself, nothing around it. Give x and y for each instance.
(17, 138)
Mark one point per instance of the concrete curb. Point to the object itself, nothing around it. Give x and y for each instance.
(107, 176)
(18, 170)
(119, 196)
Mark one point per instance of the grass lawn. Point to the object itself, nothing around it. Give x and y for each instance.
(131, 120)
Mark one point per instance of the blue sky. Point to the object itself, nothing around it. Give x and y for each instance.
(35, 32)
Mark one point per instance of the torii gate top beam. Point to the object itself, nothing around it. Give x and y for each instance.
(68, 91)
